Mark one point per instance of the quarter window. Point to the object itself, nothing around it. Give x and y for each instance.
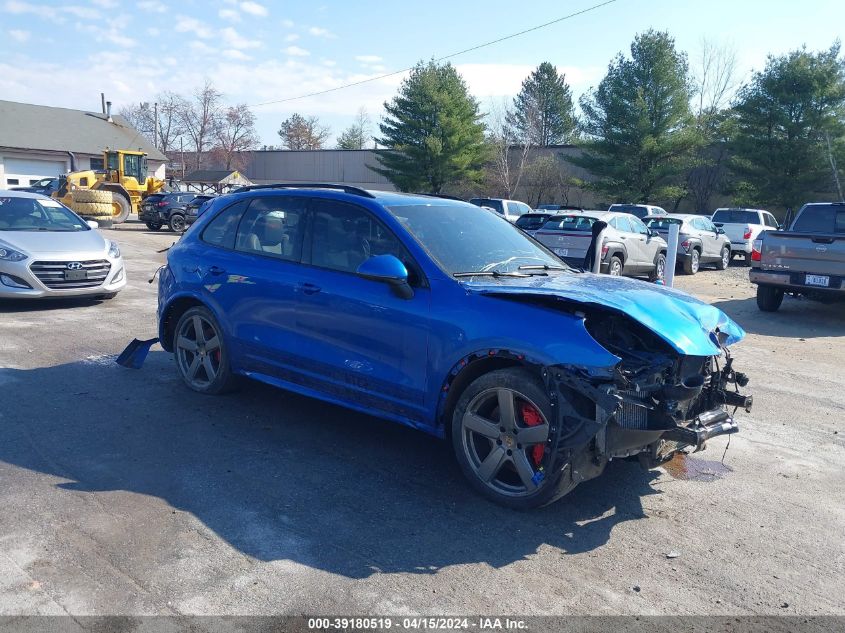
(222, 230)
(273, 226)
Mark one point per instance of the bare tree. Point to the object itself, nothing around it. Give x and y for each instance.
(715, 81)
(357, 135)
(299, 132)
(201, 119)
(545, 180)
(509, 150)
(235, 134)
(140, 117)
(170, 125)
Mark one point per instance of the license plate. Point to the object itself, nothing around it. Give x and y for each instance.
(76, 275)
(562, 252)
(817, 280)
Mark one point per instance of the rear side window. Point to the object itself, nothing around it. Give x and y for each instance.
(273, 226)
(223, 229)
(769, 220)
(622, 224)
(821, 219)
(736, 216)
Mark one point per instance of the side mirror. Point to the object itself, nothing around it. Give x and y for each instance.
(720, 231)
(92, 224)
(387, 269)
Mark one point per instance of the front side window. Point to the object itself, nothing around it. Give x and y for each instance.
(344, 236)
(461, 238)
(273, 226)
(222, 230)
(637, 225)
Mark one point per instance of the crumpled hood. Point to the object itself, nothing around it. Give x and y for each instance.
(43, 242)
(683, 321)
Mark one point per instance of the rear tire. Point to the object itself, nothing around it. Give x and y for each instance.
(693, 262)
(725, 259)
(769, 298)
(177, 223)
(615, 267)
(202, 357)
(154, 226)
(502, 464)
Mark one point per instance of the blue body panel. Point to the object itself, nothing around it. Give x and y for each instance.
(355, 342)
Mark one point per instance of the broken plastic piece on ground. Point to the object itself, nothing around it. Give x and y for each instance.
(135, 353)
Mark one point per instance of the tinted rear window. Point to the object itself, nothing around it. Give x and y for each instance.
(488, 202)
(662, 224)
(633, 209)
(736, 216)
(821, 219)
(531, 222)
(570, 223)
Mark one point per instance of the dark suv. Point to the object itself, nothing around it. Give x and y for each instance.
(166, 208)
(195, 207)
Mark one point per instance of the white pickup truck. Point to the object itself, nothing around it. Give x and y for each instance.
(807, 259)
(742, 226)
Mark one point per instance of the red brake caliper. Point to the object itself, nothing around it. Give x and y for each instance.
(532, 417)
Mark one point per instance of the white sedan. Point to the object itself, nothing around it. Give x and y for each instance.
(46, 250)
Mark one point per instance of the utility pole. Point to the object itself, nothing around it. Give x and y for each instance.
(155, 125)
(182, 151)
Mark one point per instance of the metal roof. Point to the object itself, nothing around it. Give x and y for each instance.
(215, 176)
(37, 127)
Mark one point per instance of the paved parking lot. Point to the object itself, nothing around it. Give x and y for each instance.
(124, 493)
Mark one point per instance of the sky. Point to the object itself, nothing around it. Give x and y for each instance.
(65, 53)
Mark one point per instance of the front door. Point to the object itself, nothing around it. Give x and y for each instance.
(359, 340)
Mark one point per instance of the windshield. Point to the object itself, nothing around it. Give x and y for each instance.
(33, 214)
(735, 216)
(462, 238)
(496, 205)
(633, 209)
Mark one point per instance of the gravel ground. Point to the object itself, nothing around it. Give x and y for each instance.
(126, 494)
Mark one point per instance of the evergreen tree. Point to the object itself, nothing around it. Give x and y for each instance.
(543, 112)
(432, 132)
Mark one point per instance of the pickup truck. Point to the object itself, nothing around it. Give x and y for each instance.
(807, 259)
(742, 226)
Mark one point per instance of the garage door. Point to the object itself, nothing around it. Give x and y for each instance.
(20, 171)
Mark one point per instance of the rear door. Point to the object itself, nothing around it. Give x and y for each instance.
(359, 340)
(647, 245)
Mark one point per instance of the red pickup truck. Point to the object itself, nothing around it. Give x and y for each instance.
(807, 259)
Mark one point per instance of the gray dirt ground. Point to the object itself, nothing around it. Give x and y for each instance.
(123, 493)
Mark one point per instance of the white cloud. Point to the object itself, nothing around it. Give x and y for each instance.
(288, 24)
(296, 51)
(229, 14)
(253, 8)
(236, 40)
(368, 59)
(153, 32)
(184, 24)
(19, 35)
(318, 31)
(292, 37)
(112, 30)
(235, 54)
(106, 4)
(329, 62)
(200, 47)
(152, 5)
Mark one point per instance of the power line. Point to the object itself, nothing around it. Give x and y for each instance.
(439, 59)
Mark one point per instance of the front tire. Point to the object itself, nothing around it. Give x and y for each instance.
(202, 358)
(121, 209)
(769, 298)
(500, 430)
(725, 259)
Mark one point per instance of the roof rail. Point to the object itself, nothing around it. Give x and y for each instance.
(445, 196)
(308, 185)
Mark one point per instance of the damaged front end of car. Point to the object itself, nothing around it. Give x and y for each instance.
(655, 402)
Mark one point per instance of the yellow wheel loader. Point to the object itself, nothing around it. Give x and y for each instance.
(109, 195)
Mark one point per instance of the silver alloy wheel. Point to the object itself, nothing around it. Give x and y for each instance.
(694, 260)
(496, 441)
(661, 267)
(615, 268)
(198, 352)
(726, 257)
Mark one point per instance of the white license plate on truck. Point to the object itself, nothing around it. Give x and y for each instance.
(562, 252)
(817, 280)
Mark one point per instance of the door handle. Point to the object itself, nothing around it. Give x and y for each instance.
(216, 270)
(309, 289)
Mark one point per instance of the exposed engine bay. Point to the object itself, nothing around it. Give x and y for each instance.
(656, 403)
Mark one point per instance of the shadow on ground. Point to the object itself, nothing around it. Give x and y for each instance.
(16, 306)
(797, 317)
(279, 476)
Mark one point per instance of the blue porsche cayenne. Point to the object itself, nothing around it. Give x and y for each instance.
(445, 317)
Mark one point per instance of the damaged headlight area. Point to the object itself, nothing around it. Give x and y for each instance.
(655, 403)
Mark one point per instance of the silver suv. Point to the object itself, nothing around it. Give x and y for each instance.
(699, 240)
(629, 247)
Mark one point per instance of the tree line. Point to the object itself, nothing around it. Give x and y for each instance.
(653, 130)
